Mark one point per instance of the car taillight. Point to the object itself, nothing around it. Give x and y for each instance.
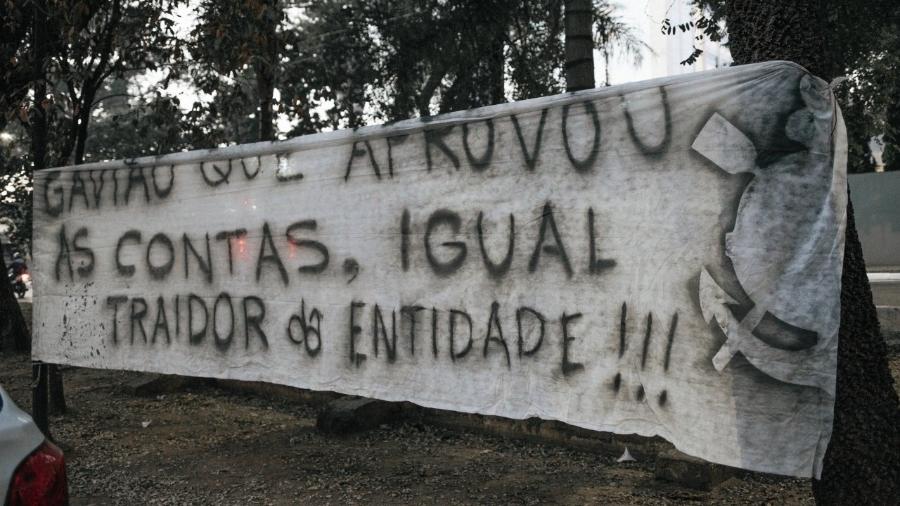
(40, 479)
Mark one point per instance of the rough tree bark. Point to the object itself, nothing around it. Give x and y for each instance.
(56, 391)
(862, 463)
(579, 45)
(265, 88)
(83, 121)
(39, 128)
(265, 66)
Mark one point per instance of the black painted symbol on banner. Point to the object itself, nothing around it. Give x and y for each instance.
(162, 270)
(532, 157)
(247, 173)
(663, 145)
(163, 192)
(136, 175)
(586, 163)
(481, 162)
(640, 391)
(358, 152)
(221, 175)
(308, 327)
(452, 220)
(279, 164)
(78, 188)
(497, 270)
(351, 268)
(435, 137)
(557, 248)
(494, 323)
(356, 358)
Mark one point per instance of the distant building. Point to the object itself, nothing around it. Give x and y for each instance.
(646, 19)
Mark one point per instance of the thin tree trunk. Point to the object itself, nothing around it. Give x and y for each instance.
(606, 64)
(579, 46)
(423, 101)
(265, 90)
(265, 73)
(39, 124)
(39, 398)
(498, 94)
(84, 119)
(39, 151)
(57, 391)
(65, 153)
(862, 463)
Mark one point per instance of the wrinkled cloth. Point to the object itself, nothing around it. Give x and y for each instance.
(658, 258)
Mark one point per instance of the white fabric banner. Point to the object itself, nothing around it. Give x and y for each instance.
(660, 258)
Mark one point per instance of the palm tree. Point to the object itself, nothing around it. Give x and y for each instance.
(612, 36)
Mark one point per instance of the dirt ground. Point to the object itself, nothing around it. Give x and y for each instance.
(211, 446)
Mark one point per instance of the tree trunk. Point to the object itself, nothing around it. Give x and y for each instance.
(497, 59)
(39, 398)
(12, 323)
(423, 100)
(38, 114)
(84, 119)
(57, 392)
(68, 146)
(606, 65)
(265, 72)
(39, 152)
(264, 89)
(579, 46)
(777, 30)
(862, 463)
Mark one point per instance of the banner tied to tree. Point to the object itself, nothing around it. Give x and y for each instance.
(660, 258)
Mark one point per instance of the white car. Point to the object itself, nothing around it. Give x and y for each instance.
(32, 469)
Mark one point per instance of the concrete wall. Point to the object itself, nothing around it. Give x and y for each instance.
(876, 200)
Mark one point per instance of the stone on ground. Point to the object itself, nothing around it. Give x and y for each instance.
(354, 414)
(687, 471)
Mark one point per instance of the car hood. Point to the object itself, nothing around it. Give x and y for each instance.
(19, 436)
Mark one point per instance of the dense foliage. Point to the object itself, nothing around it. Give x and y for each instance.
(867, 54)
(87, 80)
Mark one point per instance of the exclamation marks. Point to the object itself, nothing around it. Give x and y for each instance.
(672, 327)
(623, 332)
(641, 393)
(647, 336)
(664, 396)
